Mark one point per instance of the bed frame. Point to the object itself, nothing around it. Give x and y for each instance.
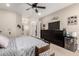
(41, 50)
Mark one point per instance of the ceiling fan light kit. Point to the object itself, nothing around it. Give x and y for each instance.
(39, 14)
(7, 4)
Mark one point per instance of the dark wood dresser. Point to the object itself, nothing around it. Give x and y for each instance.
(53, 36)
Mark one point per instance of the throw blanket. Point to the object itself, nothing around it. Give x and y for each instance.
(12, 50)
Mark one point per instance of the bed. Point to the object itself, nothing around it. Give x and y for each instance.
(25, 46)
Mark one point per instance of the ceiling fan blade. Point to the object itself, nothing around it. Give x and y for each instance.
(36, 10)
(41, 7)
(35, 4)
(29, 4)
(28, 8)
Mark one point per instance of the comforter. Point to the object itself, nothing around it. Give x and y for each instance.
(13, 50)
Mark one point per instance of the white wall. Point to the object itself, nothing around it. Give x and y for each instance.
(8, 22)
(63, 15)
(18, 21)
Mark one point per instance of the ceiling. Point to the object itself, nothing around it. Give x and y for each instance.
(20, 8)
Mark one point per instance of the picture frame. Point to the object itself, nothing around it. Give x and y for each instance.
(72, 20)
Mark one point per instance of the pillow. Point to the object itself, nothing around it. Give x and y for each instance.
(3, 41)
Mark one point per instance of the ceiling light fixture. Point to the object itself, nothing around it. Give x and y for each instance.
(8, 5)
(39, 14)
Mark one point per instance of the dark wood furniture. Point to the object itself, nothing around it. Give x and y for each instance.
(53, 36)
(54, 25)
(41, 50)
(71, 43)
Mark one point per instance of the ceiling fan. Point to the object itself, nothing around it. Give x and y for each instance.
(35, 7)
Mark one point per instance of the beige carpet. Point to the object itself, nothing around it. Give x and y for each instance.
(59, 51)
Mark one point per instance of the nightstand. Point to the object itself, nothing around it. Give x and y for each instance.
(71, 43)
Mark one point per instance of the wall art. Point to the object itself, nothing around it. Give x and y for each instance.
(72, 20)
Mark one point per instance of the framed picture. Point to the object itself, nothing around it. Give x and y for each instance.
(72, 20)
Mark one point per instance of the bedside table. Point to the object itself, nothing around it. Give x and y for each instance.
(71, 43)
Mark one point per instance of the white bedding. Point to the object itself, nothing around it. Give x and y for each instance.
(27, 42)
(22, 46)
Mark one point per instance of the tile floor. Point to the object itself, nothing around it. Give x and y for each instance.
(59, 51)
